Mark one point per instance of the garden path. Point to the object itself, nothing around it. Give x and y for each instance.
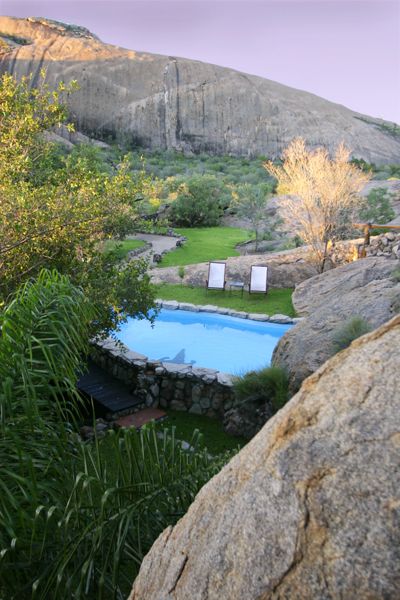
(159, 243)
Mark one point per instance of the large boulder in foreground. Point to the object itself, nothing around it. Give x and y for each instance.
(363, 288)
(310, 508)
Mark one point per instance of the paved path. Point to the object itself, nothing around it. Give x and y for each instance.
(159, 243)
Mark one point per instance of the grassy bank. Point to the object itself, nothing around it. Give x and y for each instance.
(206, 243)
(276, 301)
(122, 247)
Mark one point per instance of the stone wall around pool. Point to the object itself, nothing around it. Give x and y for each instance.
(181, 387)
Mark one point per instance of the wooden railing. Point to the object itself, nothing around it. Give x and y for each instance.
(367, 227)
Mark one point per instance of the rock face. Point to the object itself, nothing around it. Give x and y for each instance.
(169, 102)
(285, 269)
(363, 288)
(310, 507)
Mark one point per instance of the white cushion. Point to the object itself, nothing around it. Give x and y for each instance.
(216, 276)
(258, 282)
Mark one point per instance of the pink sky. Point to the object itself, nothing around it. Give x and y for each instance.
(347, 51)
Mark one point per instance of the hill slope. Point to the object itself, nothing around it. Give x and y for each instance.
(169, 102)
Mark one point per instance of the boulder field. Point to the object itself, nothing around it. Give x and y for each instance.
(365, 288)
(310, 508)
(167, 102)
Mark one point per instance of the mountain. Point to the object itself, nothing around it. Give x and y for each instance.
(163, 102)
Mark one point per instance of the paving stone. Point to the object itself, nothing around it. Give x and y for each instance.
(258, 317)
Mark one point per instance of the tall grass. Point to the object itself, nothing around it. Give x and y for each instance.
(76, 518)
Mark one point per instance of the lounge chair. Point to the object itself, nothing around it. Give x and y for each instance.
(258, 280)
(216, 276)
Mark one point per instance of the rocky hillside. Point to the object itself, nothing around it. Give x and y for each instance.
(169, 102)
(310, 507)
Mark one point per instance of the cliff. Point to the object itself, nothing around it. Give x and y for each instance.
(168, 102)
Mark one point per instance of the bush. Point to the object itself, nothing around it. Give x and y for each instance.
(268, 385)
(378, 207)
(352, 329)
(199, 203)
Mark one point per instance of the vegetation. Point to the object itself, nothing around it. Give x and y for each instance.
(326, 194)
(213, 436)
(395, 275)
(352, 329)
(378, 207)
(250, 201)
(76, 517)
(268, 385)
(381, 172)
(277, 301)
(205, 244)
(55, 210)
(199, 202)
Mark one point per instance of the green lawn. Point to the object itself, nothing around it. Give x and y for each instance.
(122, 247)
(276, 301)
(214, 437)
(204, 244)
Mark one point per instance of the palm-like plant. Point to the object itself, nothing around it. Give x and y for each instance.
(75, 518)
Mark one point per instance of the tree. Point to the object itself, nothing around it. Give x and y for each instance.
(200, 200)
(54, 213)
(250, 202)
(325, 194)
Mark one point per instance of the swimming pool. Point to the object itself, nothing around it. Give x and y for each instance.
(211, 340)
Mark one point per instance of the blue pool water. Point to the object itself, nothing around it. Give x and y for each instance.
(228, 344)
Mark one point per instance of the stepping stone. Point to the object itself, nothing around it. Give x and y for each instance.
(141, 417)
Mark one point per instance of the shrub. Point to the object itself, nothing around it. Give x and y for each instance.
(396, 274)
(352, 329)
(268, 385)
(199, 202)
(378, 207)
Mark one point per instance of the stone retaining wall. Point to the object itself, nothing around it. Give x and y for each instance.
(387, 244)
(177, 386)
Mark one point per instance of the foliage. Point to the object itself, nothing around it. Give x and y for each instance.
(76, 518)
(378, 207)
(277, 301)
(268, 385)
(250, 201)
(199, 202)
(204, 244)
(214, 438)
(55, 210)
(325, 194)
(352, 329)
(395, 275)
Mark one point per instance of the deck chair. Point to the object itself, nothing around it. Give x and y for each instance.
(258, 280)
(216, 276)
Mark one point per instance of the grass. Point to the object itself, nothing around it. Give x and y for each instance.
(122, 247)
(206, 243)
(215, 439)
(276, 301)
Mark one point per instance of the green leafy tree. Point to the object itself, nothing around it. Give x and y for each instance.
(56, 213)
(250, 202)
(199, 202)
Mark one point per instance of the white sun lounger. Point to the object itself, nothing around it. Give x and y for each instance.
(258, 280)
(216, 276)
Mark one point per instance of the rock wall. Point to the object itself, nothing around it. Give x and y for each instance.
(387, 245)
(170, 102)
(310, 508)
(166, 385)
